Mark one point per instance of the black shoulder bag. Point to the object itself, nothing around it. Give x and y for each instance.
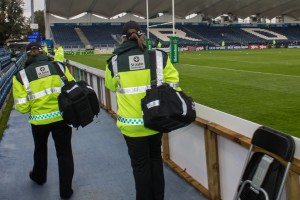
(165, 109)
(78, 102)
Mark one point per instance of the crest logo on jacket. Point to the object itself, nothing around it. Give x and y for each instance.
(136, 62)
(42, 71)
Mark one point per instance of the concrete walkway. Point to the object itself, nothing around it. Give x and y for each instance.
(102, 165)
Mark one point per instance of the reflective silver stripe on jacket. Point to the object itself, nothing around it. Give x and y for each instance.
(20, 100)
(114, 63)
(38, 95)
(133, 90)
(173, 85)
(159, 68)
(131, 121)
(44, 93)
(25, 80)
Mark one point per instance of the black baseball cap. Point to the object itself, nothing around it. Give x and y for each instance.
(131, 25)
(32, 46)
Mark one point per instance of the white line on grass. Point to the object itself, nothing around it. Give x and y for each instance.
(238, 70)
(242, 61)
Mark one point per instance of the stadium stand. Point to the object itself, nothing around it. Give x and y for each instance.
(66, 36)
(4, 58)
(292, 33)
(101, 35)
(107, 34)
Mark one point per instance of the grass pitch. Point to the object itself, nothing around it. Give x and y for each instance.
(262, 86)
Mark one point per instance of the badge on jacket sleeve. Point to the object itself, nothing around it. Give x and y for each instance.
(42, 71)
(136, 62)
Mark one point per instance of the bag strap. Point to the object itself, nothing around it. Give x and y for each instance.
(152, 62)
(156, 68)
(61, 73)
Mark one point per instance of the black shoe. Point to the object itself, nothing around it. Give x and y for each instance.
(65, 197)
(34, 180)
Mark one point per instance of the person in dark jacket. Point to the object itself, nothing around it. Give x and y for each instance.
(128, 74)
(35, 90)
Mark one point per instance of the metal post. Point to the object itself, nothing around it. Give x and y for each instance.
(147, 8)
(173, 17)
(32, 12)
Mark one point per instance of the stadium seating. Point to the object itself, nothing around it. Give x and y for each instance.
(292, 33)
(4, 58)
(66, 35)
(101, 35)
(194, 35)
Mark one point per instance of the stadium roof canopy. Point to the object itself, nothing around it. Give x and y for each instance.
(212, 8)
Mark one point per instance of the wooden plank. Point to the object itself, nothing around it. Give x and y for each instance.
(293, 186)
(296, 166)
(112, 114)
(201, 122)
(212, 162)
(230, 134)
(108, 99)
(166, 148)
(182, 173)
(225, 132)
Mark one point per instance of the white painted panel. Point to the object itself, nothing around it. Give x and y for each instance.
(95, 84)
(231, 161)
(234, 123)
(103, 91)
(187, 149)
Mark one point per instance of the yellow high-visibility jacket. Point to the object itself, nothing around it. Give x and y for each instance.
(128, 74)
(45, 49)
(59, 54)
(36, 89)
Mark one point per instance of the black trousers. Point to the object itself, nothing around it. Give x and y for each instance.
(61, 134)
(146, 161)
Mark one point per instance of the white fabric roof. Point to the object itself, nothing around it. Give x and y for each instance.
(212, 8)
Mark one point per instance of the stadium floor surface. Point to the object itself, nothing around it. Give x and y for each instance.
(102, 165)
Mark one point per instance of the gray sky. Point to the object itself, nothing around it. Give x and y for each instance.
(38, 5)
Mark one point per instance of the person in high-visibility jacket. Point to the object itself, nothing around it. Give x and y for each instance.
(45, 49)
(35, 90)
(223, 43)
(59, 54)
(128, 74)
(159, 44)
